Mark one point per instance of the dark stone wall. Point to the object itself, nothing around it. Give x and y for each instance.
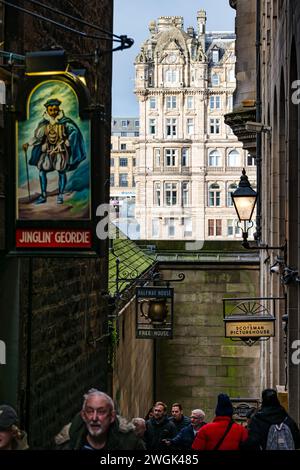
(61, 311)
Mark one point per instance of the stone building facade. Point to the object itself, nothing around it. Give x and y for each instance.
(273, 26)
(52, 308)
(188, 160)
(124, 134)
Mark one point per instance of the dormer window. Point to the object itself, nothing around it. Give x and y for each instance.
(215, 56)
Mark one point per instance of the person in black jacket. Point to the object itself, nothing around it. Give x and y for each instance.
(271, 412)
(159, 428)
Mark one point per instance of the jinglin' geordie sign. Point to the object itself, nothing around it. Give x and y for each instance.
(54, 167)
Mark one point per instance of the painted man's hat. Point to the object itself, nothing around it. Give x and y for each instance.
(52, 102)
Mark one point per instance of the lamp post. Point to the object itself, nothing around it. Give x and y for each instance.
(244, 199)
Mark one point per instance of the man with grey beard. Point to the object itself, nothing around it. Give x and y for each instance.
(97, 427)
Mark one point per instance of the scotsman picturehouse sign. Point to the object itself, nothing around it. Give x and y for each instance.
(58, 138)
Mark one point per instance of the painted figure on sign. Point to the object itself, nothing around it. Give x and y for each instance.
(57, 145)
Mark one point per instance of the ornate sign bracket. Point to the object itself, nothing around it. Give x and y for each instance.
(251, 319)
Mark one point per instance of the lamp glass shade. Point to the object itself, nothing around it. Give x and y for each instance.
(244, 205)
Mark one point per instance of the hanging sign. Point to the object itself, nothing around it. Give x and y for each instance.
(154, 312)
(56, 192)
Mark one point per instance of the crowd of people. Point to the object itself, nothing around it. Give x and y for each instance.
(98, 427)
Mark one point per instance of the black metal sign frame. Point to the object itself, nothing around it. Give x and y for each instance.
(76, 236)
(154, 312)
(250, 318)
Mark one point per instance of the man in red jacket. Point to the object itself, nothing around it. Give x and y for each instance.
(223, 433)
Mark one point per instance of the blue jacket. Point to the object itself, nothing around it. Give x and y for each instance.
(185, 437)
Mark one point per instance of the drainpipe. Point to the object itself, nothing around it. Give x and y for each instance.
(258, 119)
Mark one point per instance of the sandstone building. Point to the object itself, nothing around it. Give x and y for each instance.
(187, 160)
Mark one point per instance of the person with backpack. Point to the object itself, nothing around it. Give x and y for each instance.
(271, 427)
(223, 433)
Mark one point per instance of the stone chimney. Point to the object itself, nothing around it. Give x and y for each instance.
(166, 22)
(190, 31)
(201, 21)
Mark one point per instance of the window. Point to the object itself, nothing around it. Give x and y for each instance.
(211, 227)
(214, 158)
(185, 156)
(188, 227)
(214, 227)
(171, 127)
(157, 199)
(214, 126)
(185, 193)
(170, 222)
(190, 126)
(232, 227)
(155, 227)
(123, 161)
(123, 146)
(172, 76)
(190, 102)
(156, 157)
(137, 123)
(152, 103)
(171, 102)
(215, 102)
(123, 182)
(170, 157)
(215, 79)
(133, 182)
(152, 126)
(231, 188)
(234, 158)
(218, 227)
(215, 56)
(250, 160)
(171, 194)
(112, 162)
(124, 123)
(123, 134)
(112, 180)
(136, 133)
(214, 195)
(134, 162)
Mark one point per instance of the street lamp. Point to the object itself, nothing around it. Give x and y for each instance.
(244, 200)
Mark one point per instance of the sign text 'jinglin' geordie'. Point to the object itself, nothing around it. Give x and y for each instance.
(57, 238)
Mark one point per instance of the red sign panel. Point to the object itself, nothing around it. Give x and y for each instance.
(42, 238)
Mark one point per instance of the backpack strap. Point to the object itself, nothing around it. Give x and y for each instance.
(231, 422)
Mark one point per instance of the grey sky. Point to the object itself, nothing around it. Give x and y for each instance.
(132, 17)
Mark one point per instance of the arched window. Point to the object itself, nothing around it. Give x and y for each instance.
(214, 158)
(214, 195)
(234, 158)
(231, 188)
(215, 79)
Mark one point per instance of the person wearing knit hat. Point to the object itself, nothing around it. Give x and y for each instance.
(11, 437)
(223, 433)
(270, 413)
(224, 406)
